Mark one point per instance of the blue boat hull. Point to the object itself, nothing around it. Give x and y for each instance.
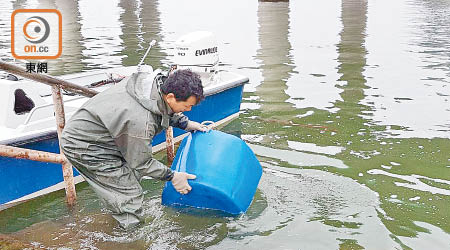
(20, 177)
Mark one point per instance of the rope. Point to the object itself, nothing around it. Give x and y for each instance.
(211, 124)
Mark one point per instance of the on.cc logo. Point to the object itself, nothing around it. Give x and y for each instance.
(36, 34)
(36, 29)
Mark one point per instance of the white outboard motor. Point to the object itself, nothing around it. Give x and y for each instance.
(198, 51)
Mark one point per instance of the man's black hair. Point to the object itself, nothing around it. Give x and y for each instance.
(183, 83)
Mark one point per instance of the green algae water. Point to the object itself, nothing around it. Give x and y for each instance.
(347, 110)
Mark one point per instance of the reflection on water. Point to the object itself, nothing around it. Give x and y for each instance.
(5, 27)
(409, 76)
(347, 110)
(275, 61)
(72, 58)
(236, 30)
(314, 36)
(141, 21)
(298, 159)
(101, 31)
(414, 182)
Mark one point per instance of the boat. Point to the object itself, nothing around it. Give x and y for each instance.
(27, 115)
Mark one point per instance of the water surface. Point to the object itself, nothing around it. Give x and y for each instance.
(347, 110)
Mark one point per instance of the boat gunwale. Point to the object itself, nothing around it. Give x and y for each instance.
(209, 90)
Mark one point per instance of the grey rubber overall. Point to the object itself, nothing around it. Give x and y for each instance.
(108, 140)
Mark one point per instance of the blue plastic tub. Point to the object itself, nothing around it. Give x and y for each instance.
(227, 173)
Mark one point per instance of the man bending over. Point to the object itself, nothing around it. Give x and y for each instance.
(108, 140)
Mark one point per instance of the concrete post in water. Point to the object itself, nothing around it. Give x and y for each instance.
(71, 195)
(170, 146)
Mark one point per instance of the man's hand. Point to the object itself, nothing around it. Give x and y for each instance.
(195, 126)
(180, 183)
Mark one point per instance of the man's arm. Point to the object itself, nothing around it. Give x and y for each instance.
(137, 152)
(179, 120)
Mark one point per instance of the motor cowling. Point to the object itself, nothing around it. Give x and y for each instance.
(198, 51)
